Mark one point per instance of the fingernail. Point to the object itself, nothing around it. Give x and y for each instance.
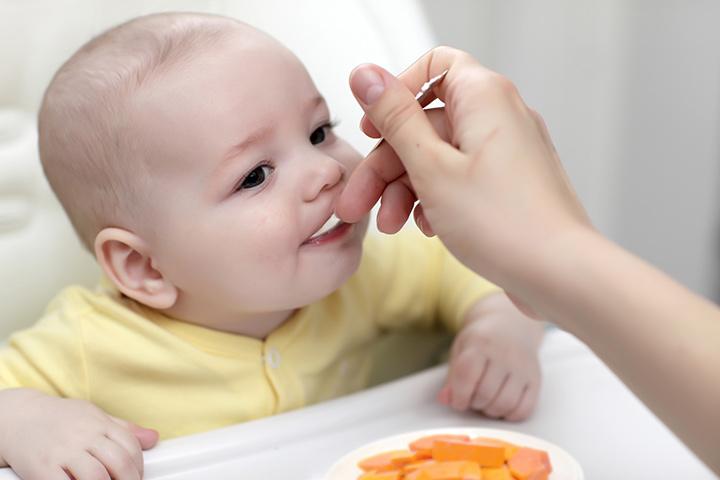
(367, 84)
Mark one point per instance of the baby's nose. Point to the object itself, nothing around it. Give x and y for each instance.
(323, 174)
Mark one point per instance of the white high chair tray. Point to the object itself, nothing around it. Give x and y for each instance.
(583, 408)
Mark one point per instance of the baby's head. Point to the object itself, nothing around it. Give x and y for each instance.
(195, 157)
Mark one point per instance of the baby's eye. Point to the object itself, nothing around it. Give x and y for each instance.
(318, 136)
(256, 177)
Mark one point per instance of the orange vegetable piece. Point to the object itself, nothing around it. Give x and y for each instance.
(415, 465)
(425, 444)
(496, 473)
(401, 460)
(510, 448)
(530, 464)
(447, 471)
(382, 461)
(391, 475)
(485, 455)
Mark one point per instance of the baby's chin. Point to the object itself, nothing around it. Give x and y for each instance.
(331, 279)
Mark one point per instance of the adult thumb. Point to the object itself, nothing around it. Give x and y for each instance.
(395, 113)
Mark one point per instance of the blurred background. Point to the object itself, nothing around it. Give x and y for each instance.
(630, 91)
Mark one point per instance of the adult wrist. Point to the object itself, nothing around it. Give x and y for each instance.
(561, 274)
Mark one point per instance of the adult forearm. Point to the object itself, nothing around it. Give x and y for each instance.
(662, 340)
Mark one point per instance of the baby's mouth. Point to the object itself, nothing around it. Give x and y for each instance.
(327, 228)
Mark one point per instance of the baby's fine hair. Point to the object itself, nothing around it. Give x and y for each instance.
(90, 152)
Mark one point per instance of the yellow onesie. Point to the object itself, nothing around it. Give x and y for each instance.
(140, 365)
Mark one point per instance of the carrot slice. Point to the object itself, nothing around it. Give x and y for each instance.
(457, 457)
(408, 457)
(391, 475)
(415, 465)
(485, 455)
(425, 444)
(510, 448)
(382, 461)
(447, 471)
(496, 473)
(530, 464)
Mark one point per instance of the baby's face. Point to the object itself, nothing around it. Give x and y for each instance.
(246, 169)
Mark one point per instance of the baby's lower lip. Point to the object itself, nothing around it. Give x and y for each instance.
(332, 235)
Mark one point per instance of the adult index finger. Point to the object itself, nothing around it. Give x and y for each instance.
(393, 110)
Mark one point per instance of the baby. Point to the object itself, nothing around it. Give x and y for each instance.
(197, 160)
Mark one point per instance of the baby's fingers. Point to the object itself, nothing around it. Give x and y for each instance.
(466, 369)
(147, 437)
(38, 471)
(116, 459)
(507, 399)
(489, 386)
(526, 405)
(123, 437)
(85, 466)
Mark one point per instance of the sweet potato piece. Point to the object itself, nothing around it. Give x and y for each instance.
(530, 464)
(425, 444)
(382, 461)
(410, 467)
(510, 448)
(485, 455)
(401, 460)
(390, 475)
(447, 471)
(496, 473)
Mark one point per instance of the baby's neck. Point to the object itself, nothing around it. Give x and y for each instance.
(256, 325)
(260, 327)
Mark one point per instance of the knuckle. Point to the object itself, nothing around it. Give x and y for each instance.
(397, 117)
(444, 51)
(538, 119)
(501, 85)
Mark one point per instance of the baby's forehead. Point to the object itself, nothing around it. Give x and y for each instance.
(233, 93)
(246, 68)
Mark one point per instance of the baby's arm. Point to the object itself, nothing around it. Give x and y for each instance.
(48, 438)
(494, 365)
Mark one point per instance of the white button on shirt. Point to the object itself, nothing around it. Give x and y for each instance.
(272, 358)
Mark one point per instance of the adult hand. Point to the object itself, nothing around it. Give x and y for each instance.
(494, 191)
(489, 180)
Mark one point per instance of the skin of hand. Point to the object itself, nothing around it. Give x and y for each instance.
(49, 438)
(493, 189)
(492, 164)
(494, 365)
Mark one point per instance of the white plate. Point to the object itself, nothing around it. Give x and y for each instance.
(565, 467)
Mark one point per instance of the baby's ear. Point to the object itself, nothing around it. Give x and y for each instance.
(124, 258)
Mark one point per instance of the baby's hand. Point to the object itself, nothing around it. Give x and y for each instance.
(494, 365)
(48, 438)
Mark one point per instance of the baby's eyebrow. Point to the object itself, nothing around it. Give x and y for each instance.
(256, 136)
(259, 135)
(263, 133)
